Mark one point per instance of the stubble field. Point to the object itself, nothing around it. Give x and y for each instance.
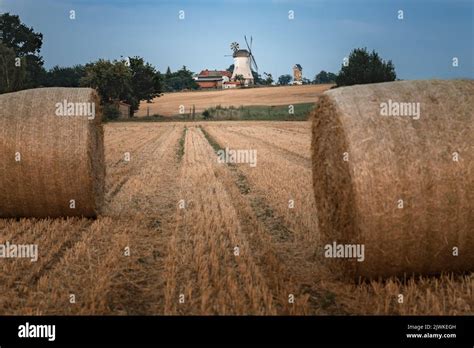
(169, 104)
(183, 234)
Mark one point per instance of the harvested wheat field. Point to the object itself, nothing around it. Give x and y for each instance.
(169, 103)
(181, 233)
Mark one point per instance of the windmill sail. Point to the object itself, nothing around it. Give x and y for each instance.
(254, 63)
(252, 58)
(245, 37)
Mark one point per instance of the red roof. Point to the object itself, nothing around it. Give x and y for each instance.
(215, 73)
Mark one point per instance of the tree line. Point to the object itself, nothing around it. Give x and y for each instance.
(283, 80)
(132, 79)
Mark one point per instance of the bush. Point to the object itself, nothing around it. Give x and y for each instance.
(325, 77)
(206, 114)
(284, 80)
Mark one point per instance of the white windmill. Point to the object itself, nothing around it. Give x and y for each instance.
(244, 61)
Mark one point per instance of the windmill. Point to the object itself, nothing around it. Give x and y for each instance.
(244, 61)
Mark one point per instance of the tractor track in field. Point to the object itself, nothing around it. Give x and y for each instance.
(297, 131)
(252, 206)
(127, 169)
(267, 258)
(117, 188)
(289, 155)
(278, 180)
(253, 211)
(62, 250)
(132, 169)
(151, 237)
(279, 249)
(27, 275)
(275, 224)
(200, 260)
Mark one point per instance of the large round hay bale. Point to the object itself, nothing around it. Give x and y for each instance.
(401, 187)
(51, 153)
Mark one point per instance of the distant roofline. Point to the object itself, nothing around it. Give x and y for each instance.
(208, 79)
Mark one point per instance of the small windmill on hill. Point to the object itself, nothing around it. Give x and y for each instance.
(244, 61)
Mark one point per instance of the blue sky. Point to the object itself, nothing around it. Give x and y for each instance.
(321, 34)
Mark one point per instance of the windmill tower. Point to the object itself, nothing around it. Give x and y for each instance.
(243, 62)
(297, 74)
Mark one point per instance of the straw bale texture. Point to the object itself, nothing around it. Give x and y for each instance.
(61, 157)
(399, 193)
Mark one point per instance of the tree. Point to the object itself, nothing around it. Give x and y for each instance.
(118, 81)
(240, 78)
(26, 45)
(365, 68)
(64, 77)
(168, 73)
(12, 70)
(325, 77)
(111, 79)
(284, 80)
(332, 77)
(145, 83)
(231, 68)
(179, 80)
(257, 79)
(268, 79)
(322, 77)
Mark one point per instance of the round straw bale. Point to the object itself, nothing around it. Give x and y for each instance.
(51, 153)
(400, 186)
